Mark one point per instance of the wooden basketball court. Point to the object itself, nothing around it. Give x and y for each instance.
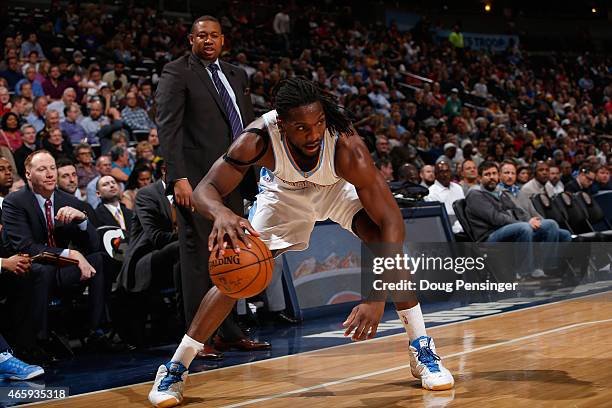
(554, 355)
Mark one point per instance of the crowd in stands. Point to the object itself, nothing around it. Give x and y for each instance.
(79, 82)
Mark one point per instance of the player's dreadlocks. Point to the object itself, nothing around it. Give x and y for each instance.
(295, 92)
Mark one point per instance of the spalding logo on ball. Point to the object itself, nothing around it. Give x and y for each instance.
(245, 274)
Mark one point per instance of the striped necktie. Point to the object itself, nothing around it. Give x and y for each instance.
(49, 217)
(230, 110)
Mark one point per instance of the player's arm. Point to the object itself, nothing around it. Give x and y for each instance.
(223, 178)
(354, 164)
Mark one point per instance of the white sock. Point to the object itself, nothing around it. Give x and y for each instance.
(187, 350)
(413, 322)
(5, 355)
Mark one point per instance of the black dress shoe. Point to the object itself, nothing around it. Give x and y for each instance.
(99, 343)
(35, 355)
(243, 344)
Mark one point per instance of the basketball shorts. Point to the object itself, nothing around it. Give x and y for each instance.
(285, 218)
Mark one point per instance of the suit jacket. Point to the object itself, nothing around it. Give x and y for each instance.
(26, 228)
(487, 212)
(152, 229)
(105, 217)
(194, 130)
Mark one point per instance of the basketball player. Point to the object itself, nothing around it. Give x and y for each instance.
(314, 167)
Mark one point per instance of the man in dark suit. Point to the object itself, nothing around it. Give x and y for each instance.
(110, 211)
(153, 248)
(203, 104)
(39, 218)
(150, 261)
(67, 181)
(583, 181)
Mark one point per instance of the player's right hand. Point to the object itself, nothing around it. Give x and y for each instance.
(183, 193)
(227, 224)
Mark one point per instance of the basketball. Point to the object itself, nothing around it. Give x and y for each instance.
(245, 274)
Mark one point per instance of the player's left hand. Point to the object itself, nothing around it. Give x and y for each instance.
(364, 319)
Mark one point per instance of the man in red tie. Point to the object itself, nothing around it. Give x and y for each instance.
(40, 218)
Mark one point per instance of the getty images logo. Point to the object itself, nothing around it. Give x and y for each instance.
(414, 264)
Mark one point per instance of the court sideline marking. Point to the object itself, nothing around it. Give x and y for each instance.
(401, 367)
(338, 346)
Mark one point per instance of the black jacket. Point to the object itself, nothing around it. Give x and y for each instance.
(25, 227)
(105, 217)
(152, 229)
(194, 130)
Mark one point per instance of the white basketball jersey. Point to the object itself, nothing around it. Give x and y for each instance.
(287, 174)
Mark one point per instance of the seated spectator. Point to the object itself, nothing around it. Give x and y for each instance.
(523, 175)
(67, 181)
(121, 164)
(53, 86)
(382, 149)
(408, 172)
(95, 83)
(554, 180)
(566, 172)
(30, 78)
(99, 127)
(154, 140)
(450, 156)
(111, 211)
(446, 192)
(5, 100)
(602, 180)
(70, 127)
(583, 181)
(427, 175)
(52, 121)
(139, 178)
(57, 145)
(68, 98)
(12, 73)
(37, 117)
(386, 169)
(146, 94)
(153, 249)
(62, 225)
(86, 171)
(537, 185)
(508, 185)
(469, 176)
(31, 44)
(116, 74)
(20, 108)
(104, 168)
(28, 135)
(10, 135)
(135, 117)
(145, 152)
(494, 217)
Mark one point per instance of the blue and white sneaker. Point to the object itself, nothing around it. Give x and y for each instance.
(170, 380)
(425, 365)
(11, 368)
